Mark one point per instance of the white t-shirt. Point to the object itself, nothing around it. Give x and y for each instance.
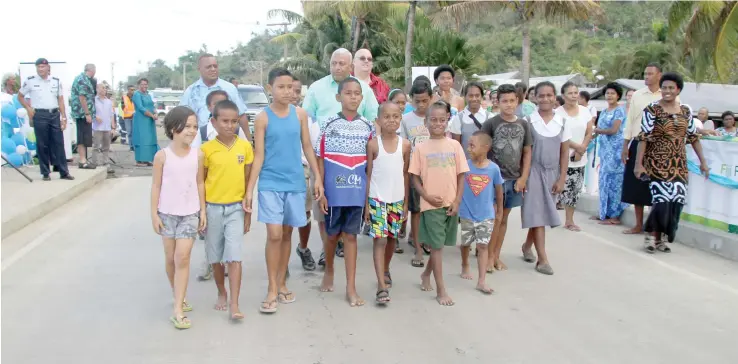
(463, 117)
(578, 127)
(552, 128)
(709, 124)
(212, 134)
(314, 129)
(592, 110)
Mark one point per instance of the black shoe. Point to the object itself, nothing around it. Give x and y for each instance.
(321, 260)
(339, 249)
(68, 177)
(46, 178)
(308, 263)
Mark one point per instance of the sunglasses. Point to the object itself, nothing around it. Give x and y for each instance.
(366, 59)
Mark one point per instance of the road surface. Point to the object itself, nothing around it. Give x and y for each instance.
(86, 284)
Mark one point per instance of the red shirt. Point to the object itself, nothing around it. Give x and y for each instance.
(380, 88)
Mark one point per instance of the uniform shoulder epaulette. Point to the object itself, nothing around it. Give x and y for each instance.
(31, 77)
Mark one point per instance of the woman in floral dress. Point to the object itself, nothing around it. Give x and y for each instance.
(666, 127)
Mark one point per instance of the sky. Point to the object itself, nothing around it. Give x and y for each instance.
(129, 33)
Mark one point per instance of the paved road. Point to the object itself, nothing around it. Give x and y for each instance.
(87, 285)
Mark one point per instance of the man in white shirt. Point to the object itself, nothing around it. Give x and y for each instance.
(705, 126)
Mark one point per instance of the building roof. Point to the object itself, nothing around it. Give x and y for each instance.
(717, 98)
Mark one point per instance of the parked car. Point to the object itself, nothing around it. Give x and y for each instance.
(256, 100)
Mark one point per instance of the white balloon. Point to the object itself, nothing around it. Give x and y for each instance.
(33, 153)
(21, 113)
(21, 149)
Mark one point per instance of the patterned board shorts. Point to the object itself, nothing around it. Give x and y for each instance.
(473, 232)
(386, 218)
(573, 186)
(180, 227)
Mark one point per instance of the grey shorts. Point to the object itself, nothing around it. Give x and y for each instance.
(478, 233)
(224, 233)
(180, 227)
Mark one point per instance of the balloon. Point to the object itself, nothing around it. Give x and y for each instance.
(31, 136)
(19, 139)
(15, 159)
(21, 149)
(8, 111)
(21, 113)
(16, 103)
(30, 145)
(8, 146)
(27, 158)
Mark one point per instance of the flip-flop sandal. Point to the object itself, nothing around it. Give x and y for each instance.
(426, 249)
(186, 307)
(398, 249)
(417, 263)
(265, 306)
(631, 232)
(181, 323)
(282, 297)
(388, 279)
(383, 297)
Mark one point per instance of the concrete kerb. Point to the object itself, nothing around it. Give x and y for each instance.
(690, 234)
(44, 207)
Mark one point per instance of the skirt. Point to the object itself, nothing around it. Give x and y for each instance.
(635, 191)
(573, 186)
(539, 205)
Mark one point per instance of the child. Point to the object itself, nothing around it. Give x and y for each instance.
(511, 145)
(480, 204)
(551, 134)
(413, 129)
(178, 203)
(438, 168)
(398, 97)
(205, 133)
(226, 164)
(387, 158)
(342, 159)
(281, 133)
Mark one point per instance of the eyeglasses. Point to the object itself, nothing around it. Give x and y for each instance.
(366, 59)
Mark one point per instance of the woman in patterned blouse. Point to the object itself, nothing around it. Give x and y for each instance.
(662, 159)
(728, 127)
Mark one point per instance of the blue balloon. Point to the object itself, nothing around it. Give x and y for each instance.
(15, 159)
(8, 146)
(19, 139)
(13, 122)
(27, 158)
(16, 103)
(31, 145)
(8, 112)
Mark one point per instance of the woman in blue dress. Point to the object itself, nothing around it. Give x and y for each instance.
(145, 142)
(609, 145)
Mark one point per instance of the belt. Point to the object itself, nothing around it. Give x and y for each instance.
(50, 111)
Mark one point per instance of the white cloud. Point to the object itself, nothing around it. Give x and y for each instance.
(129, 33)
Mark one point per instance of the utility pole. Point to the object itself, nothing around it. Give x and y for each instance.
(284, 25)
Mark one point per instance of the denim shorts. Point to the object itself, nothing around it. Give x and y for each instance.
(224, 233)
(511, 198)
(344, 219)
(180, 227)
(282, 208)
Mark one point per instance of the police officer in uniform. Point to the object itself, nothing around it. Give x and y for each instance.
(48, 118)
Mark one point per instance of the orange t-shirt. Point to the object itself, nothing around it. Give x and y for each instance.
(438, 162)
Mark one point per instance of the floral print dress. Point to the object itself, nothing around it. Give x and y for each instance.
(611, 165)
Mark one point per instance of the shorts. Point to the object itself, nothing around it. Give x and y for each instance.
(438, 229)
(224, 234)
(84, 132)
(282, 208)
(511, 199)
(344, 219)
(413, 202)
(180, 227)
(573, 186)
(478, 233)
(310, 183)
(385, 218)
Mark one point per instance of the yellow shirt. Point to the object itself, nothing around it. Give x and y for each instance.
(639, 101)
(225, 182)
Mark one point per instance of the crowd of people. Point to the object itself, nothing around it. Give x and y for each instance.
(359, 158)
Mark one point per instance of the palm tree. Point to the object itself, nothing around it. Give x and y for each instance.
(362, 14)
(527, 12)
(410, 19)
(710, 34)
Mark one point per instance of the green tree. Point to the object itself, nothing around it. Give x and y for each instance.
(526, 13)
(710, 31)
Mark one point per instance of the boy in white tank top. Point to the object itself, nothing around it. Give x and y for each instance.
(388, 158)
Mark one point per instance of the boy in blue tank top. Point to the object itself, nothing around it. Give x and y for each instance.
(280, 134)
(341, 154)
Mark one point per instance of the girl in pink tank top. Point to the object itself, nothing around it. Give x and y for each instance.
(178, 203)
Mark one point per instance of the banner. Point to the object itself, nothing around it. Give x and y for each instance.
(714, 202)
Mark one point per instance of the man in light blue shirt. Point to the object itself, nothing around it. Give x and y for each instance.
(194, 96)
(320, 101)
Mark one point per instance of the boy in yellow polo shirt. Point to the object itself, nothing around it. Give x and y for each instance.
(226, 166)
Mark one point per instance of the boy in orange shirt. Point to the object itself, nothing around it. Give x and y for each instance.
(438, 166)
